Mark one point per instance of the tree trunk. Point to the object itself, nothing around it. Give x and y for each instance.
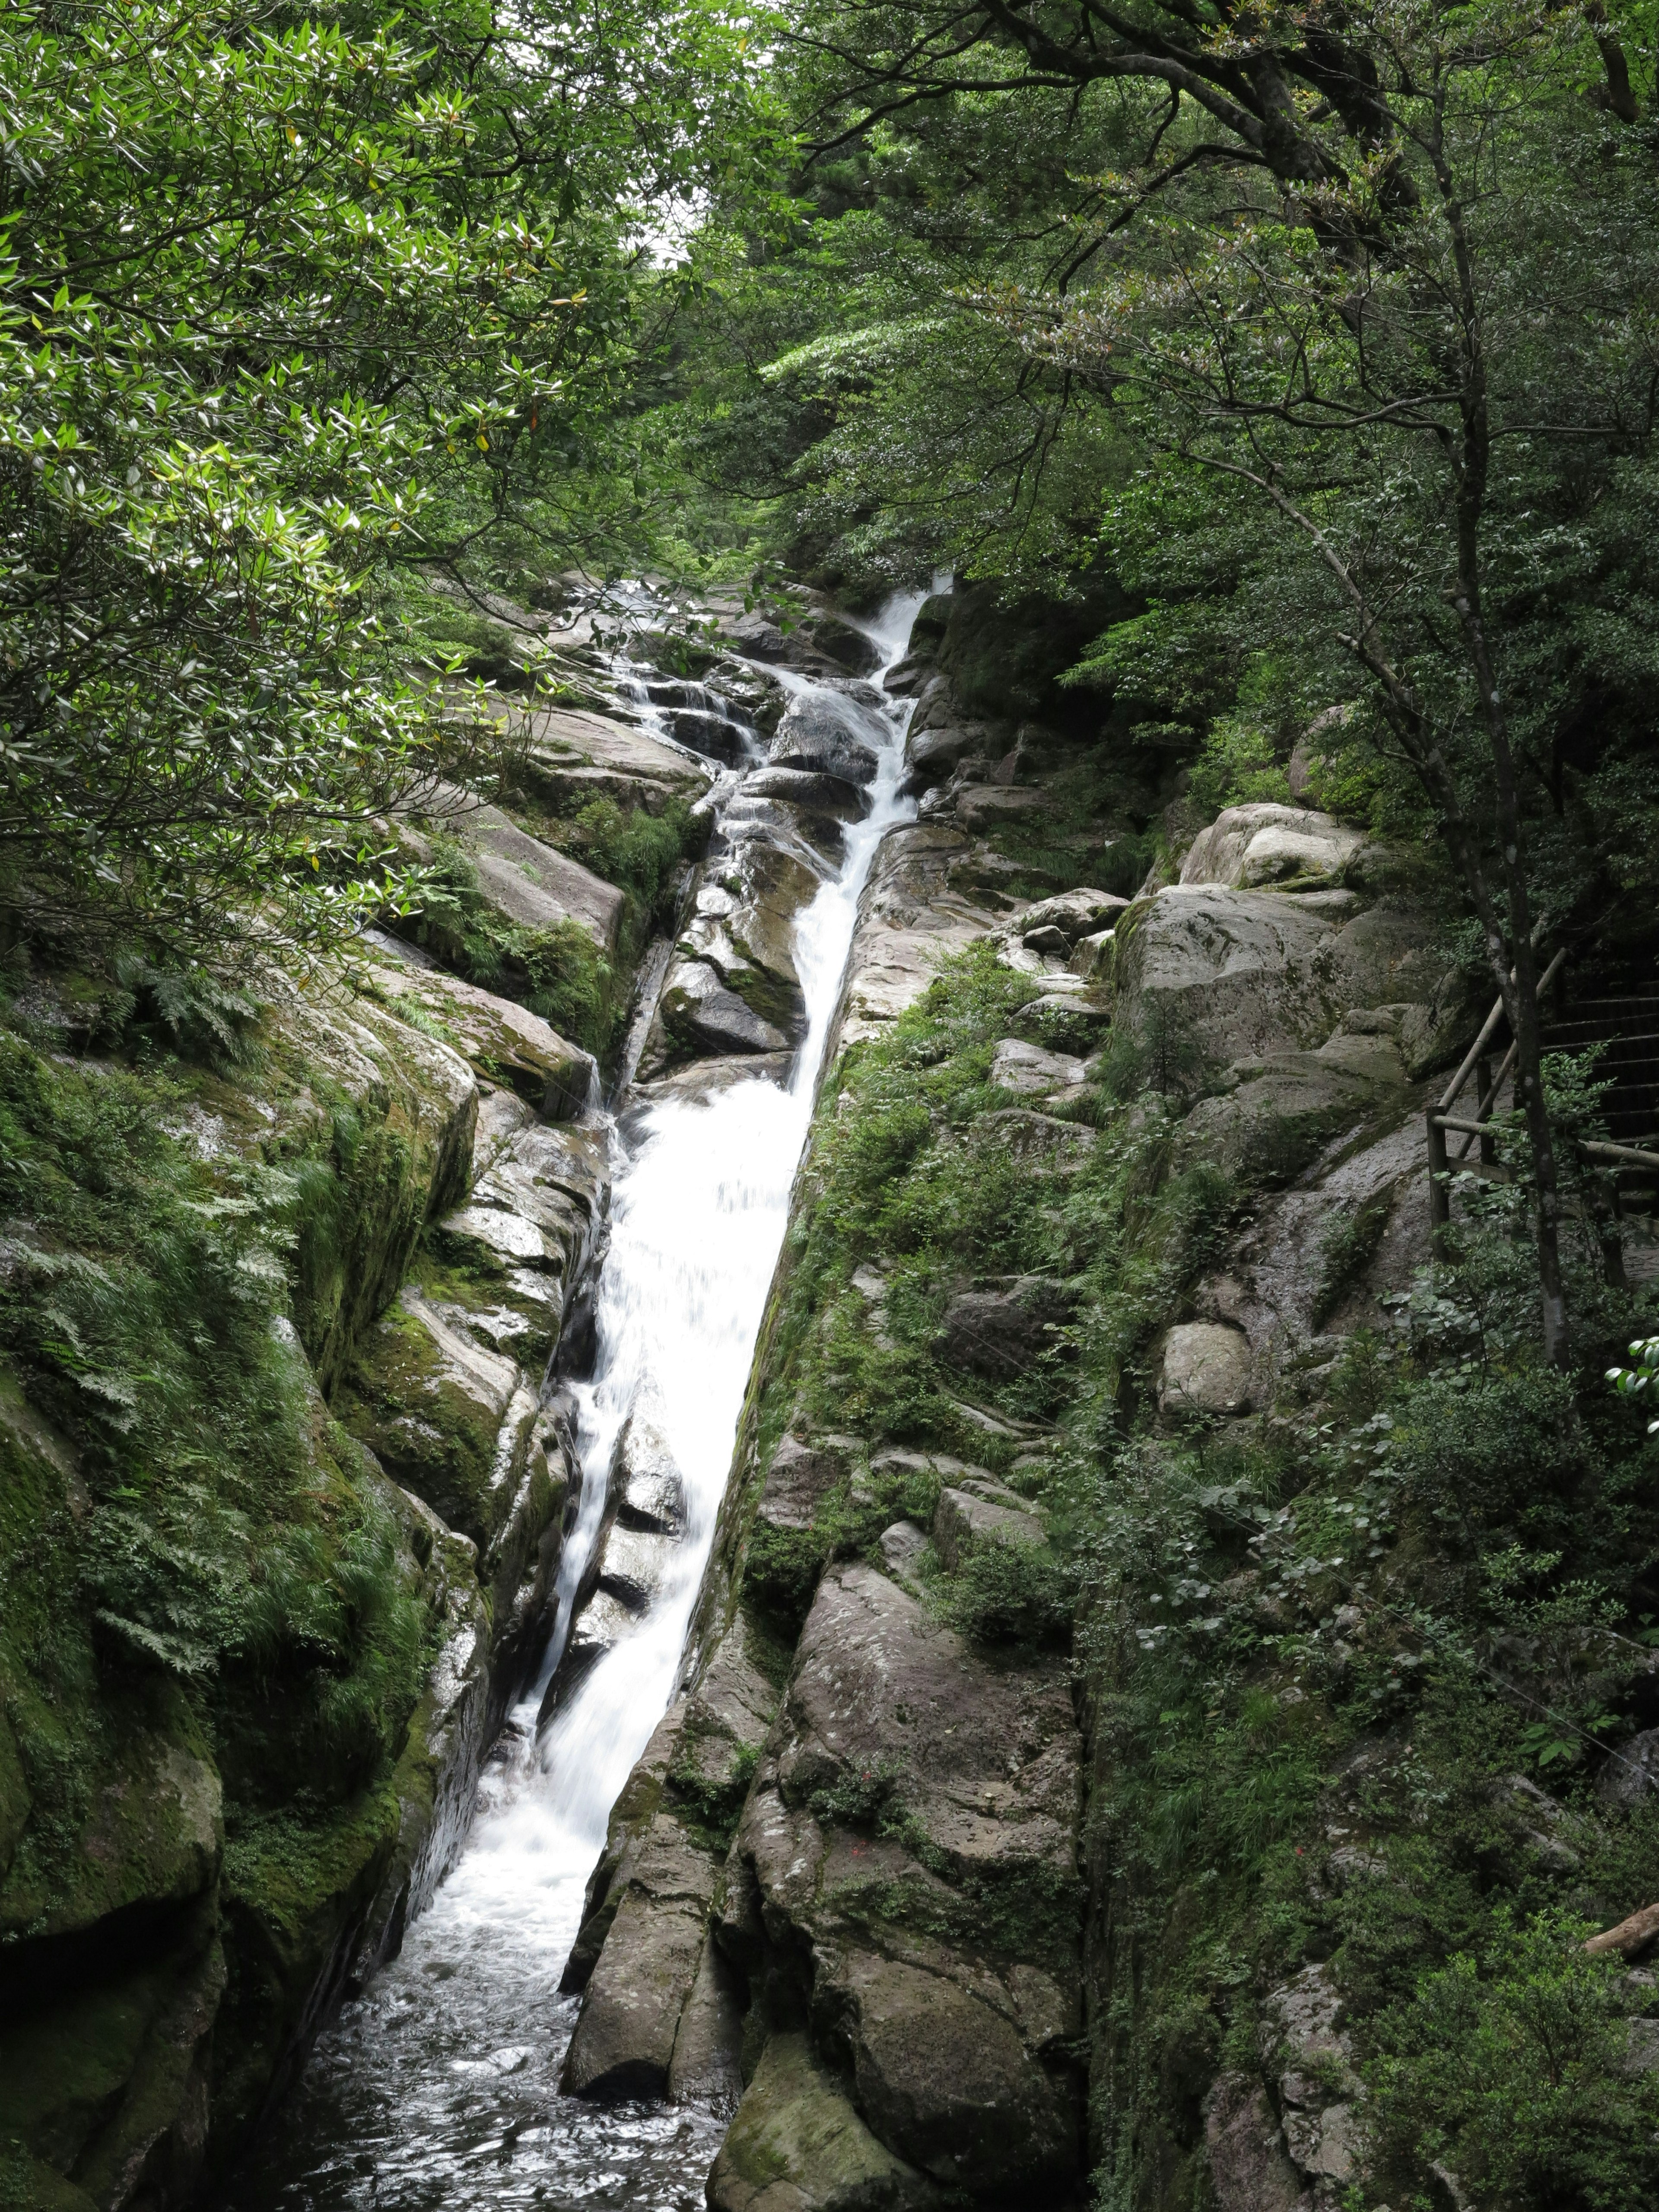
(1516, 969)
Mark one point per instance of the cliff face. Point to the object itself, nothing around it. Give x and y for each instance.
(285, 1276)
(1046, 1792)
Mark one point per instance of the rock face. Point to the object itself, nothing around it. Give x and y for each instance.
(890, 1726)
(202, 1969)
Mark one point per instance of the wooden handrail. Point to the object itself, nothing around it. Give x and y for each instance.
(1626, 1155)
(1484, 1037)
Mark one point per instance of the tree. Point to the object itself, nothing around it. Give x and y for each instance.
(289, 301)
(1294, 95)
(1428, 412)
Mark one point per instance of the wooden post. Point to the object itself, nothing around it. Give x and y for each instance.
(1439, 1192)
(1483, 1085)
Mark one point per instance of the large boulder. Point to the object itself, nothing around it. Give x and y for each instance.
(529, 883)
(968, 1521)
(1279, 1115)
(511, 1258)
(801, 1477)
(947, 2079)
(699, 1014)
(1249, 2170)
(827, 733)
(645, 1479)
(912, 913)
(1074, 914)
(841, 641)
(1031, 1072)
(570, 757)
(503, 1042)
(646, 1971)
(1000, 1332)
(459, 1427)
(1251, 973)
(1238, 971)
(1247, 847)
(733, 986)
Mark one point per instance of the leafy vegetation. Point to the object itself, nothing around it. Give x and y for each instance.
(292, 303)
(229, 1540)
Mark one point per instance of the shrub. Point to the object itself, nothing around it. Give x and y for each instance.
(1513, 2071)
(1013, 1594)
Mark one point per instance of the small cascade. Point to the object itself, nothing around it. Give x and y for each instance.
(439, 2086)
(686, 714)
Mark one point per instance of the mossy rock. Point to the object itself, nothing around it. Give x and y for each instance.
(798, 2140)
(429, 1402)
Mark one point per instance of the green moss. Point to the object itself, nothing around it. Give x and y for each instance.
(207, 1586)
(709, 1803)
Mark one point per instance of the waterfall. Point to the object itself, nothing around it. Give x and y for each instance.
(439, 2086)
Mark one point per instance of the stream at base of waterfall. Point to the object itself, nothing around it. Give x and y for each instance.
(439, 2086)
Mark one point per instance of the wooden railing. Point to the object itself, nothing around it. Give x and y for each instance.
(1476, 1129)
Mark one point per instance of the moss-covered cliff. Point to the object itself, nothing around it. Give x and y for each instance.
(284, 1268)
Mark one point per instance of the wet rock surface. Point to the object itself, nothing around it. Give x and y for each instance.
(948, 2065)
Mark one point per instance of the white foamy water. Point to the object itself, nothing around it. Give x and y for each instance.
(439, 2088)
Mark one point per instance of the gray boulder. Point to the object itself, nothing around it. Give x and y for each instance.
(1278, 1117)
(949, 2042)
(933, 754)
(813, 792)
(801, 1477)
(528, 882)
(826, 736)
(1029, 1071)
(848, 647)
(902, 1547)
(1264, 844)
(625, 2040)
(1206, 1370)
(706, 2066)
(1249, 2169)
(946, 2079)
(1075, 914)
(697, 1010)
(964, 1523)
(1000, 1334)
(1631, 1772)
(1249, 972)
(644, 1479)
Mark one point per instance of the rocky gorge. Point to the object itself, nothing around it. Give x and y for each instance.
(980, 1657)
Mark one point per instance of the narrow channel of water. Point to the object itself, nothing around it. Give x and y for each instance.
(439, 2088)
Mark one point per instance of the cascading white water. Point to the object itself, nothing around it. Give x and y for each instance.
(439, 2087)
